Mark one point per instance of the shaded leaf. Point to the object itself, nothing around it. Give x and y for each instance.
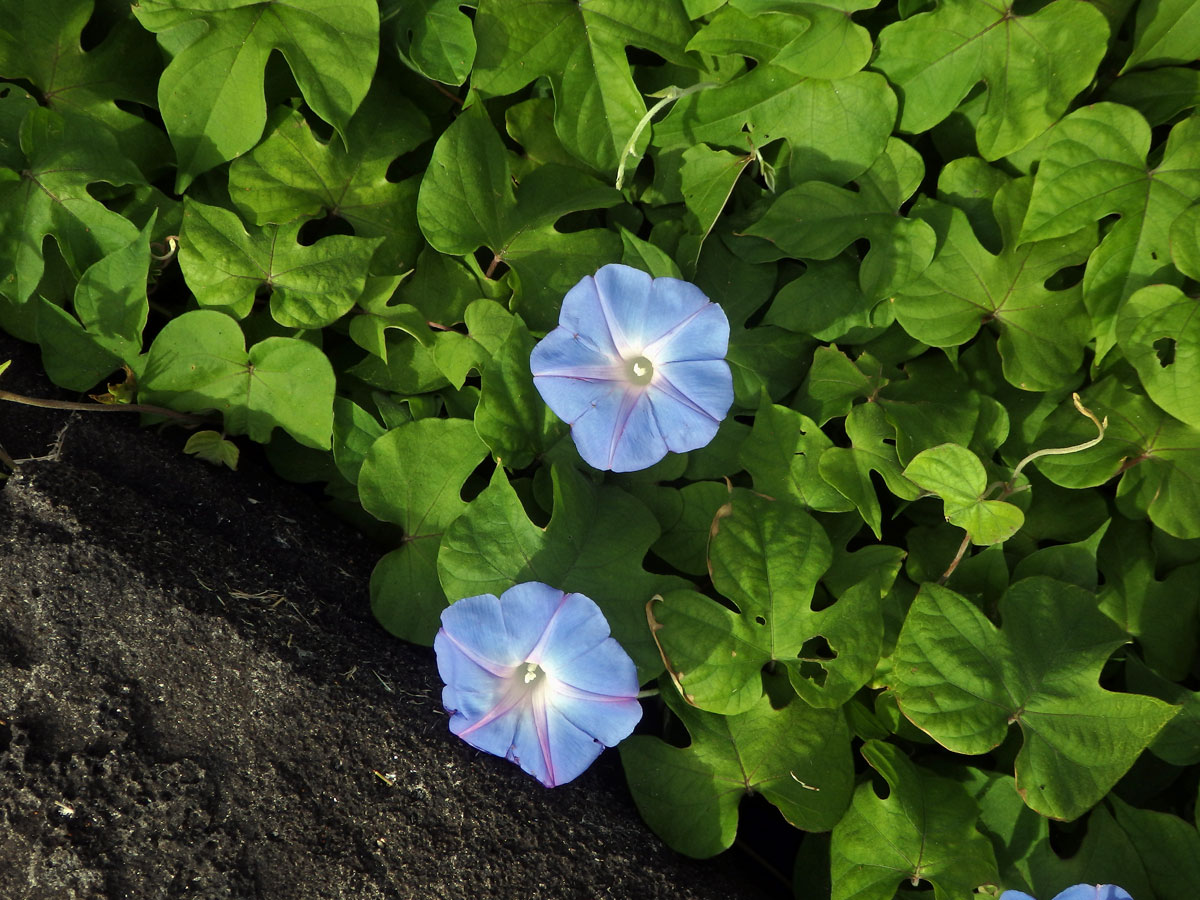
(964, 681)
(1159, 334)
(782, 455)
(818, 221)
(1166, 31)
(594, 543)
(467, 202)
(835, 129)
(872, 449)
(40, 40)
(581, 49)
(433, 37)
(797, 757)
(511, 417)
(1156, 456)
(292, 174)
(924, 830)
(112, 308)
(1042, 331)
(64, 155)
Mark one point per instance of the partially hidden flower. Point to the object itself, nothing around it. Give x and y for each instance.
(1078, 892)
(637, 367)
(533, 675)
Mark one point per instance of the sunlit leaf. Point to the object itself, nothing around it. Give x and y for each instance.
(1033, 66)
(63, 156)
(413, 476)
(581, 49)
(199, 362)
(1094, 165)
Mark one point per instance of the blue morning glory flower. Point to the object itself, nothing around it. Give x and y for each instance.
(1078, 892)
(637, 367)
(533, 675)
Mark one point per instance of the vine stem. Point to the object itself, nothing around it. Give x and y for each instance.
(958, 557)
(45, 403)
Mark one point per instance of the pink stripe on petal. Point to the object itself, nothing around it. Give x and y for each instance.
(582, 313)
(510, 701)
(570, 692)
(541, 724)
(590, 373)
(498, 669)
(663, 384)
(628, 404)
(656, 344)
(535, 655)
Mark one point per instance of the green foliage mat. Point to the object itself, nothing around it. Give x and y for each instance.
(933, 591)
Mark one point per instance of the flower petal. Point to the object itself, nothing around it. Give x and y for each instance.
(531, 745)
(562, 352)
(501, 630)
(573, 750)
(539, 739)
(1015, 895)
(705, 385)
(576, 627)
(619, 432)
(640, 310)
(1093, 892)
(624, 298)
(702, 335)
(583, 314)
(603, 670)
(688, 423)
(553, 722)
(570, 398)
(563, 733)
(471, 689)
(496, 731)
(609, 720)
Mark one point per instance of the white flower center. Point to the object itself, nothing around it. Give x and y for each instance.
(640, 370)
(532, 672)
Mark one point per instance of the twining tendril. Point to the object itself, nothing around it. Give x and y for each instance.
(1010, 487)
(1101, 427)
(668, 95)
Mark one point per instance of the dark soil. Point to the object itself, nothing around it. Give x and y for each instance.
(196, 702)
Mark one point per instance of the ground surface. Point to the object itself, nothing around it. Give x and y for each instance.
(195, 701)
